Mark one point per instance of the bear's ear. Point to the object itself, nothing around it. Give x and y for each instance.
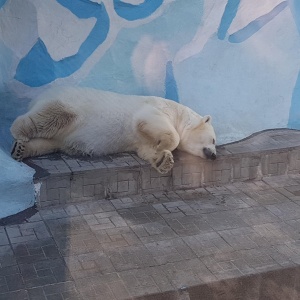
(206, 119)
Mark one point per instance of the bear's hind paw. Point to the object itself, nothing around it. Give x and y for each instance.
(18, 150)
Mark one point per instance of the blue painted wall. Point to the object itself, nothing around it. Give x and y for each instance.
(237, 60)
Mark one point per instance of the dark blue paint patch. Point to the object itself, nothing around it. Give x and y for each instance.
(254, 26)
(38, 68)
(170, 83)
(294, 117)
(2, 2)
(295, 8)
(227, 18)
(132, 12)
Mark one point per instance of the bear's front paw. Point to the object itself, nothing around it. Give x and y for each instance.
(18, 150)
(164, 163)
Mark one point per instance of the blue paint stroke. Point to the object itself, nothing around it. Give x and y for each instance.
(227, 18)
(132, 12)
(38, 68)
(295, 9)
(254, 26)
(170, 83)
(2, 2)
(294, 116)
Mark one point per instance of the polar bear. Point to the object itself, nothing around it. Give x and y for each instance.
(78, 120)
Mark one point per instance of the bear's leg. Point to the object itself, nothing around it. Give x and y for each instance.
(33, 147)
(158, 139)
(45, 123)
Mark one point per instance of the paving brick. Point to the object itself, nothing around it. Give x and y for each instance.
(177, 176)
(170, 251)
(97, 285)
(89, 264)
(189, 225)
(3, 238)
(55, 213)
(14, 282)
(266, 197)
(94, 207)
(256, 215)
(285, 211)
(222, 220)
(134, 218)
(88, 190)
(71, 225)
(36, 294)
(132, 257)
(188, 273)
(119, 289)
(16, 295)
(59, 287)
(76, 186)
(137, 285)
(7, 257)
(37, 250)
(153, 276)
(152, 232)
(207, 243)
(274, 233)
(78, 244)
(241, 238)
(123, 203)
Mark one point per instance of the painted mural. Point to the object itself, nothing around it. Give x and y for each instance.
(237, 60)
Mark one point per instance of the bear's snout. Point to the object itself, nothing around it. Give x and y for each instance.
(213, 156)
(209, 153)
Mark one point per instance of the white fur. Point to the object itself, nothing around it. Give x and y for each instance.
(97, 122)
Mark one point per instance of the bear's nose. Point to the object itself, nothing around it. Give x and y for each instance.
(209, 154)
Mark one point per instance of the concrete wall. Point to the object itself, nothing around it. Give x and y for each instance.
(237, 60)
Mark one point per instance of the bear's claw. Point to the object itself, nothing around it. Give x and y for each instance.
(165, 162)
(18, 150)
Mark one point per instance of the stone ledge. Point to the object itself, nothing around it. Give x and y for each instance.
(66, 179)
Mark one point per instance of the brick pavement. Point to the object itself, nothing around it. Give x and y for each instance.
(235, 241)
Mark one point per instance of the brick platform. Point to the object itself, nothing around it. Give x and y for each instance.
(225, 230)
(65, 179)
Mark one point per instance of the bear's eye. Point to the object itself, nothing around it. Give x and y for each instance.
(214, 141)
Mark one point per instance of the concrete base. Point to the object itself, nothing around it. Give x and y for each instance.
(237, 240)
(62, 179)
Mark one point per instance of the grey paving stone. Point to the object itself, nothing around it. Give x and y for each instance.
(7, 257)
(170, 251)
(207, 244)
(266, 197)
(256, 215)
(36, 293)
(169, 242)
(137, 285)
(285, 211)
(16, 295)
(222, 220)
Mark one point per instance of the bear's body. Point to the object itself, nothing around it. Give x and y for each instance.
(80, 120)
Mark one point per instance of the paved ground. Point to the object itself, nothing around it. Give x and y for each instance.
(125, 248)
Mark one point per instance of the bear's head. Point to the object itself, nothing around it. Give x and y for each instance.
(199, 138)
